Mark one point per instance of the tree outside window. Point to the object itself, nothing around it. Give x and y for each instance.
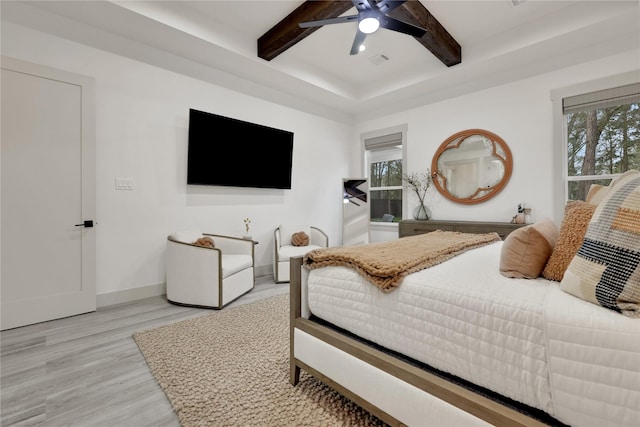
(383, 162)
(603, 138)
(385, 187)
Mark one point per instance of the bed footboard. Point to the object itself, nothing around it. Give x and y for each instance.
(395, 391)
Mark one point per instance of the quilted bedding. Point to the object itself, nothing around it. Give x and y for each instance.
(513, 336)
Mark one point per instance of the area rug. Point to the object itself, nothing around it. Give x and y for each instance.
(231, 368)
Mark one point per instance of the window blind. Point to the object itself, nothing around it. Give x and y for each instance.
(602, 99)
(383, 142)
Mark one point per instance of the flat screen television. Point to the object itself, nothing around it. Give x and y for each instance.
(229, 152)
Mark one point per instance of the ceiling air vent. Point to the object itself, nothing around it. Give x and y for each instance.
(379, 58)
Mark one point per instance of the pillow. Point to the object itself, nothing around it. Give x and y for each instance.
(596, 193)
(300, 239)
(205, 241)
(606, 268)
(287, 231)
(572, 229)
(624, 177)
(526, 250)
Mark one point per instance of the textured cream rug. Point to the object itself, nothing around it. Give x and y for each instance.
(231, 368)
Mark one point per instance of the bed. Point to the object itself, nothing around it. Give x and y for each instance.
(461, 343)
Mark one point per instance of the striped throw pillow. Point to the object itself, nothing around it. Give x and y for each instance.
(606, 268)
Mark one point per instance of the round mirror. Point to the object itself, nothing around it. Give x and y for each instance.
(471, 166)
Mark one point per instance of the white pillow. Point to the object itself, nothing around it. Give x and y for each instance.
(288, 230)
(187, 236)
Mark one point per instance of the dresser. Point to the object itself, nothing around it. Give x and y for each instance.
(411, 227)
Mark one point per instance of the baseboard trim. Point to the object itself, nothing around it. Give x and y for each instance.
(128, 295)
(263, 270)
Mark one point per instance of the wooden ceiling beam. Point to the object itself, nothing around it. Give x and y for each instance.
(287, 32)
(437, 39)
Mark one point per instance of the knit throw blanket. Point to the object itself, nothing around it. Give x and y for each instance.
(386, 264)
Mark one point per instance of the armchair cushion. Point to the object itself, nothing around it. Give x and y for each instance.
(288, 230)
(231, 264)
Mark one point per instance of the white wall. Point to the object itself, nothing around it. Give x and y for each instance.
(141, 133)
(520, 113)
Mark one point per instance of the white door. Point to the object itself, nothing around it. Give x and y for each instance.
(48, 189)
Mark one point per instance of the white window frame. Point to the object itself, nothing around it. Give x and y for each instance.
(368, 158)
(560, 171)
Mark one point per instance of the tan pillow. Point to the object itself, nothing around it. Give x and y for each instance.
(206, 242)
(300, 239)
(596, 193)
(287, 231)
(577, 215)
(526, 250)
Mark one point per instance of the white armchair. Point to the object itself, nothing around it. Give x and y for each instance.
(205, 276)
(284, 249)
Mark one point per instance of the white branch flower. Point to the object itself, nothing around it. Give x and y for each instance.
(419, 183)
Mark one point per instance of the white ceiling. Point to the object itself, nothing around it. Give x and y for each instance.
(217, 41)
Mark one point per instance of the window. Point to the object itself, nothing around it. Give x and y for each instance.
(602, 137)
(384, 163)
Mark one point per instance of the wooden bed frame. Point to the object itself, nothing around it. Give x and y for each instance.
(429, 393)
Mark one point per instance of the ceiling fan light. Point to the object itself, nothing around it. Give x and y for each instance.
(368, 25)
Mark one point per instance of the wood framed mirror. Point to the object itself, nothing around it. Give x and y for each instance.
(471, 166)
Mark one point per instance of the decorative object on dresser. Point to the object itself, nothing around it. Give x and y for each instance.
(420, 184)
(471, 166)
(410, 227)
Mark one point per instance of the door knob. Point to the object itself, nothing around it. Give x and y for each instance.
(87, 224)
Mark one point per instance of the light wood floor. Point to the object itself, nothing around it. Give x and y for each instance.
(86, 370)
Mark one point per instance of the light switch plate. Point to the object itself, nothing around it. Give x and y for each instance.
(124, 183)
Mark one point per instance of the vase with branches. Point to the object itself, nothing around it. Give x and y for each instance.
(247, 223)
(419, 183)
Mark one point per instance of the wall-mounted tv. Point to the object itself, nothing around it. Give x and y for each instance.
(230, 152)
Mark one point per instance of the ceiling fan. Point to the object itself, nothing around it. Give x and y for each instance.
(372, 14)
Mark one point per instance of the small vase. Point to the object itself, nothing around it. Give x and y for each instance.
(421, 212)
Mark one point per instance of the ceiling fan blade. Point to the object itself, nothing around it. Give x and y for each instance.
(362, 5)
(401, 27)
(355, 48)
(321, 22)
(386, 6)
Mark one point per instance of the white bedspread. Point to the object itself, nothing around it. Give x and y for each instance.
(594, 362)
(464, 318)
